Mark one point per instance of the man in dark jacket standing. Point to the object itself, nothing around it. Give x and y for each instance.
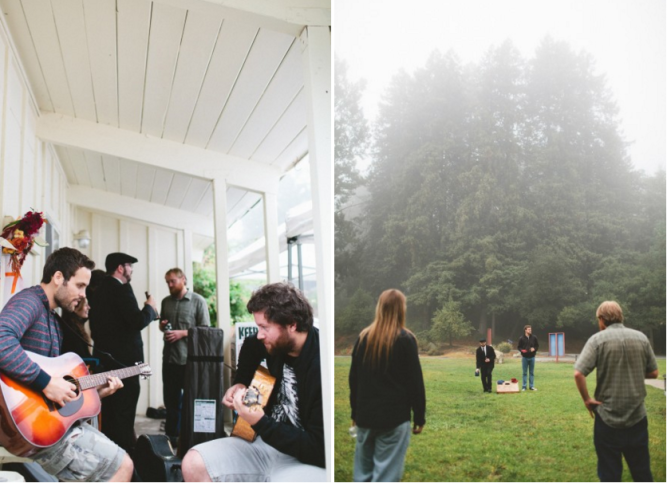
(528, 346)
(486, 358)
(116, 322)
(290, 430)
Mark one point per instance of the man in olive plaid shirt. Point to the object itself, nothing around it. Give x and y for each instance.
(623, 358)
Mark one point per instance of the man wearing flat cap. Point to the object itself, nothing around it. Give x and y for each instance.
(116, 321)
(486, 358)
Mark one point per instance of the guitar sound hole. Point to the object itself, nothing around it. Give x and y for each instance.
(74, 405)
(75, 382)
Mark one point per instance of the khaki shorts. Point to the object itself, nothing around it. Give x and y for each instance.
(84, 454)
(234, 459)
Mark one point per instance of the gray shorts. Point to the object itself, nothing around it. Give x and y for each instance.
(234, 459)
(84, 454)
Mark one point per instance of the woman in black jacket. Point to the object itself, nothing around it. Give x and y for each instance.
(386, 386)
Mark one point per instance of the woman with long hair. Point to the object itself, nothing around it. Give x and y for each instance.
(386, 386)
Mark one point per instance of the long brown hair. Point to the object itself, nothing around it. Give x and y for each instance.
(382, 333)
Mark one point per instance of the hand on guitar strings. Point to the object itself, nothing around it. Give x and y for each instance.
(250, 414)
(228, 398)
(113, 384)
(60, 391)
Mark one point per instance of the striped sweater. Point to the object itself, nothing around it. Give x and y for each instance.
(27, 323)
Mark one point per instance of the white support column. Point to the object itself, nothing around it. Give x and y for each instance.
(95, 241)
(272, 244)
(152, 332)
(187, 258)
(222, 273)
(316, 55)
(3, 128)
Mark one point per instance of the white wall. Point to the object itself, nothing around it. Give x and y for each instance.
(30, 172)
(31, 176)
(157, 249)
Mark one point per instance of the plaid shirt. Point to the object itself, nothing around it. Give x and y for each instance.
(190, 311)
(622, 357)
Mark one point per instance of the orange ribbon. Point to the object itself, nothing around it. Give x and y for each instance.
(16, 275)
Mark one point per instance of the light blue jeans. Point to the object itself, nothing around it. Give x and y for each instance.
(528, 362)
(380, 454)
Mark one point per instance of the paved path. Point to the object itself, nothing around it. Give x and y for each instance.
(659, 383)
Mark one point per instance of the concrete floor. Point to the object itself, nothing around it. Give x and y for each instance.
(144, 425)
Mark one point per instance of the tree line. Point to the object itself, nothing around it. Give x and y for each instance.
(500, 194)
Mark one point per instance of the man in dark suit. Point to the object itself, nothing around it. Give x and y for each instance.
(486, 357)
(116, 322)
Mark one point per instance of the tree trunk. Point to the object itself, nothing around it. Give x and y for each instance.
(482, 323)
(650, 338)
(493, 326)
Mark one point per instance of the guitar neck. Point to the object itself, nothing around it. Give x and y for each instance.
(95, 380)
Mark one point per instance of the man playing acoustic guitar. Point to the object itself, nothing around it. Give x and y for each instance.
(28, 322)
(290, 430)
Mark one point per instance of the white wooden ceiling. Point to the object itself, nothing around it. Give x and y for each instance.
(227, 80)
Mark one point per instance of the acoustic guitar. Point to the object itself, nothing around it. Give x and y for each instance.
(30, 422)
(258, 394)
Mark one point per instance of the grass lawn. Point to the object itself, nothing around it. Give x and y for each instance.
(471, 436)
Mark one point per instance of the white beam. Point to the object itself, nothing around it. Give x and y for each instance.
(288, 16)
(316, 55)
(115, 204)
(222, 276)
(159, 153)
(272, 251)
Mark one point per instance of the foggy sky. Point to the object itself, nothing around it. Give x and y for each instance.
(626, 38)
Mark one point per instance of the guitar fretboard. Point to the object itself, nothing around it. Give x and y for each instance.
(94, 380)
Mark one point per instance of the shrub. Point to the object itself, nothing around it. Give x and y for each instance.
(504, 347)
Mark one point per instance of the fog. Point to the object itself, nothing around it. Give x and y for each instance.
(626, 38)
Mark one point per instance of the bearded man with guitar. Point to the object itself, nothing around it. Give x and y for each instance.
(289, 443)
(28, 323)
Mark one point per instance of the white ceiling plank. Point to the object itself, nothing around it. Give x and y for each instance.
(199, 39)
(159, 153)
(111, 165)
(66, 163)
(285, 130)
(163, 51)
(80, 166)
(115, 204)
(287, 82)
(70, 24)
(205, 206)
(298, 12)
(133, 26)
(194, 195)
(294, 151)
(39, 16)
(178, 189)
(230, 52)
(100, 18)
(266, 54)
(161, 186)
(234, 195)
(145, 180)
(20, 34)
(95, 170)
(128, 178)
(246, 201)
(287, 16)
